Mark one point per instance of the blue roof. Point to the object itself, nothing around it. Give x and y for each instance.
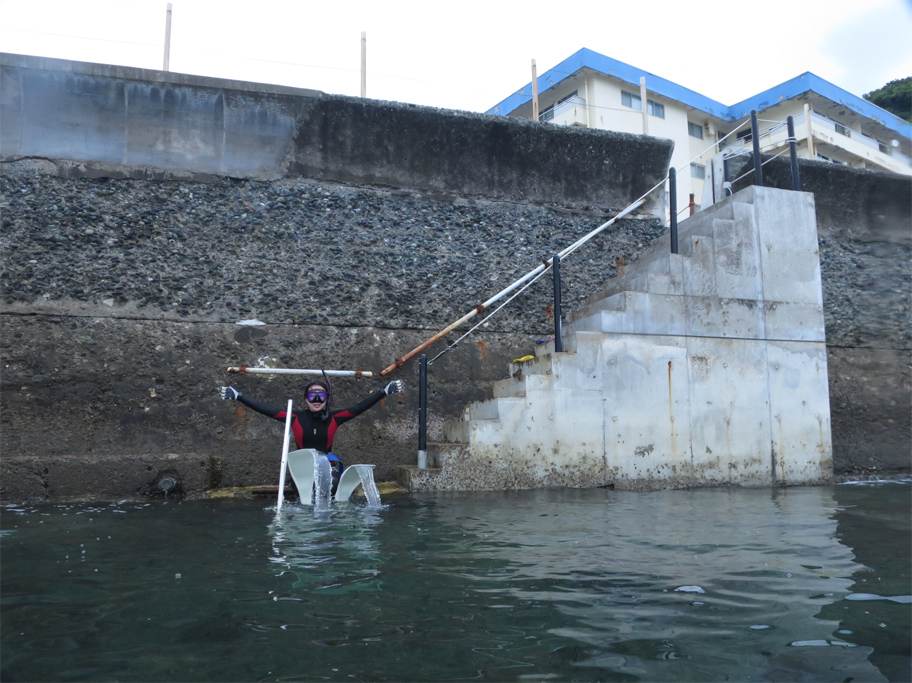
(806, 82)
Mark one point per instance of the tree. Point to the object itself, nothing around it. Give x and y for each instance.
(895, 97)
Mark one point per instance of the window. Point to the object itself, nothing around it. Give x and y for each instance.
(628, 99)
(698, 171)
(883, 148)
(655, 109)
(842, 130)
(695, 130)
(547, 114)
(745, 135)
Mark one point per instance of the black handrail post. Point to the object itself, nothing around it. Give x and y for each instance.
(422, 412)
(793, 154)
(558, 339)
(673, 208)
(755, 136)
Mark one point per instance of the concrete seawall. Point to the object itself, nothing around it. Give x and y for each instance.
(137, 123)
(122, 284)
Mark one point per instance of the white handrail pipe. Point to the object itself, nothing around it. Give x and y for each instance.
(244, 370)
(281, 497)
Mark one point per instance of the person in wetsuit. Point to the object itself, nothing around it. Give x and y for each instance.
(316, 427)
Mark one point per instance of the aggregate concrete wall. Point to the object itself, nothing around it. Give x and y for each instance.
(121, 300)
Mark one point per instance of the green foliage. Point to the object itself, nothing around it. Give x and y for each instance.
(895, 97)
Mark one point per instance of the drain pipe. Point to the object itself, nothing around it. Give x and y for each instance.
(422, 412)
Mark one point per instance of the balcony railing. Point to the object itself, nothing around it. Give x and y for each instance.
(833, 133)
(569, 112)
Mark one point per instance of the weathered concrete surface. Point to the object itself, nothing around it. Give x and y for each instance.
(865, 231)
(702, 368)
(121, 402)
(166, 260)
(140, 123)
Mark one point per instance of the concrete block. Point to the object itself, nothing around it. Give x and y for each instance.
(647, 445)
(730, 426)
(482, 410)
(456, 431)
(737, 257)
(714, 317)
(793, 321)
(646, 314)
(791, 276)
(800, 408)
(665, 275)
(699, 268)
(785, 219)
(510, 387)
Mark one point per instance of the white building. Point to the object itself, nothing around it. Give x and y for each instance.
(592, 90)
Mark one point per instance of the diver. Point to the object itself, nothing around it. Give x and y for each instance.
(316, 427)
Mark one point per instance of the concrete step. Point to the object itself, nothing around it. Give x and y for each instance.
(700, 266)
(492, 409)
(462, 432)
(456, 431)
(578, 320)
(645, 314)
(547, 348)
(510, 388)
(632, 281)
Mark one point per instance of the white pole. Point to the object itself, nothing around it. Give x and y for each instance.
(284, 458)
(644, 102)
(810, 128)
(243, 370)
(363, 64)
(534, 92)
(167, 64)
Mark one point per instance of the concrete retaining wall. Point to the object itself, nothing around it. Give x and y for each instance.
(122, 287)
(142, 123)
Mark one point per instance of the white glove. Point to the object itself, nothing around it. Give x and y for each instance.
(229, 392)
(393, 387)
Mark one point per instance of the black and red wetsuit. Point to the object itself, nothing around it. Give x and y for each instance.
(314, 430)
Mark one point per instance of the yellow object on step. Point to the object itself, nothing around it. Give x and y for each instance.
(523, 359)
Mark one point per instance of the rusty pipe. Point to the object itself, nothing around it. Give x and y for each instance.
(399, 362)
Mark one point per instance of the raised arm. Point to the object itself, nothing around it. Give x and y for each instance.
(231, 393)
(393, 387)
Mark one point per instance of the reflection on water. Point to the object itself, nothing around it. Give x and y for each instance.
(795, 584)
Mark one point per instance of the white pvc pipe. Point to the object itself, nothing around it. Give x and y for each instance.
(242, 370)
(284, 458)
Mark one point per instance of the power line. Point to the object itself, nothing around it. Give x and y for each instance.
(70, 35)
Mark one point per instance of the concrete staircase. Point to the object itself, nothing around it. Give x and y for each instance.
(705, 367)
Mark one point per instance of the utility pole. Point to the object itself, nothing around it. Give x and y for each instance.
(363, 64)
(167, 63)
(534, 92)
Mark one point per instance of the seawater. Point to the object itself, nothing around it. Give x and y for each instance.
(803, 584)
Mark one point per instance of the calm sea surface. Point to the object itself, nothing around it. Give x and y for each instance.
(805, 584)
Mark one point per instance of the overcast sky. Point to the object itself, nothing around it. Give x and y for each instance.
(471, 54)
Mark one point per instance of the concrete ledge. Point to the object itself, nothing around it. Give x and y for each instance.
(36, 479)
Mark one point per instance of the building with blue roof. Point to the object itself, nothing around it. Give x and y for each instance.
(592, 90)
